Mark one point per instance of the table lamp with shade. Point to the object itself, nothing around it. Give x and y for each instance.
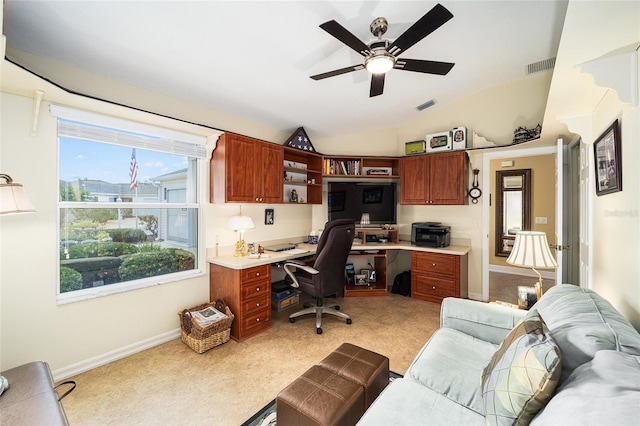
(531, 250)
(240, 223)
(13, 199)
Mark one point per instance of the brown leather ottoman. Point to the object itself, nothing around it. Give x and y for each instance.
(320, 397)
(369, 369)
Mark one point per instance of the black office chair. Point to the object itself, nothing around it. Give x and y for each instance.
(327, 276)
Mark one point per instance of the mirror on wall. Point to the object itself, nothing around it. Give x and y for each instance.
(513, 207)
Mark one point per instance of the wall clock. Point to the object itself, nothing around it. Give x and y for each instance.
(475, 192)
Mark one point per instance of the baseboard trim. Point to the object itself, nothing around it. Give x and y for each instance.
(527, 272)
(106, 358)
(476, 296)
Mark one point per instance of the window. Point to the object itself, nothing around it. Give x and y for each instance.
(129, 205)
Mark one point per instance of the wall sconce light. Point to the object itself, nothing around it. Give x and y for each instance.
(13, 199)
(239, 224)
(531, 250)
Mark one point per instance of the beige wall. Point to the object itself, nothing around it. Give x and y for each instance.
(611, 255)
(543, 203)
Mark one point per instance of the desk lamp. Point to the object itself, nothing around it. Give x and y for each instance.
(13, 199)
(239, 224)
(531, 250)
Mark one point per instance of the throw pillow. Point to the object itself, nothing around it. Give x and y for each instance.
(522, 374)
(4, 384)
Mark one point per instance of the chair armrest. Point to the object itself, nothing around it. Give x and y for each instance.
(488, 322)
(291, 265)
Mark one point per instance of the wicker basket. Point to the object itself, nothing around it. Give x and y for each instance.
(200, 338)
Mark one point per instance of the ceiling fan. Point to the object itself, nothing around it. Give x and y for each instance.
(381, 55)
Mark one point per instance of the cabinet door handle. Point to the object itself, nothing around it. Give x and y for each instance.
(257, 319)
(257, 288)
(433, 288)
(257, 305)
(257, 274)
(257, 199)
(433, 264)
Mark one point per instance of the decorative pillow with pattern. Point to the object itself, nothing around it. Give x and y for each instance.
(522, 374)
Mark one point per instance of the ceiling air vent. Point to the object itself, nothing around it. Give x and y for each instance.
(426, 105)
(540, 66)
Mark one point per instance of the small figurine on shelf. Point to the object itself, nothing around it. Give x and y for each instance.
(294, 196)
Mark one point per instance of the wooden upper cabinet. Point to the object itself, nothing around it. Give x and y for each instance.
(437, 179)
(247, 170)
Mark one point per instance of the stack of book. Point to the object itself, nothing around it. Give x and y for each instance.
(207, 316)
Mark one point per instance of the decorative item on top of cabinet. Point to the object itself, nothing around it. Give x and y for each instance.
(244, 169)
(438, 179)
(300, 140)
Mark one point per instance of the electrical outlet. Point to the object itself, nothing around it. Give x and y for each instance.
(541, 220)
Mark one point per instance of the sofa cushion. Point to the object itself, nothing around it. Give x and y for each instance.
(522, 375)
(604, 391)
(405, 402)
(450, 363)
(581, 322)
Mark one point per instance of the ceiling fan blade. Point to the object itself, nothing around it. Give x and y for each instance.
(337, 72)
(430, 22)
(377, 85)
(342, 34)
(429, 67)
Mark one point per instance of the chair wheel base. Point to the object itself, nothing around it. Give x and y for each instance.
(319, 330)
(349, 321)
(292, 320)
(337, 308)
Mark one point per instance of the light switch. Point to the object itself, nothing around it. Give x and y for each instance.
(541, 220)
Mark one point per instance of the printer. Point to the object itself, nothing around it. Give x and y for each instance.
(430, 234)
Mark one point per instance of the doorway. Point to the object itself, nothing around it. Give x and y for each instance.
(571, 215)
(489, 221)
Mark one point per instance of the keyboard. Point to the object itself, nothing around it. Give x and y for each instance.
(295, 251)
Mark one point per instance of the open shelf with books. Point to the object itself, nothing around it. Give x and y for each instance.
(361, 167)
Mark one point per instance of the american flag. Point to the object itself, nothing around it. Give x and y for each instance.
(133, 171)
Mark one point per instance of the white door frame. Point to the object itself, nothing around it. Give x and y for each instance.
(486, 208)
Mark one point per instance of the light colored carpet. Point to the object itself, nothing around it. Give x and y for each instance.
(172, 385)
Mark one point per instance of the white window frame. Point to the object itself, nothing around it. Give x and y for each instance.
(188, 144)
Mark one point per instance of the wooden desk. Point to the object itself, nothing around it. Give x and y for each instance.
(245, 283)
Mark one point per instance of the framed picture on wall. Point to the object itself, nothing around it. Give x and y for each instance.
(607, 161)
(269, 217)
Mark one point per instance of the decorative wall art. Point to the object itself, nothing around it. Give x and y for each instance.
(607, 160)
(269, 217)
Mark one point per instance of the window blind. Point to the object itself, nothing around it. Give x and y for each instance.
(99, 128)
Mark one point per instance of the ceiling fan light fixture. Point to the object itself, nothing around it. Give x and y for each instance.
(379, 63)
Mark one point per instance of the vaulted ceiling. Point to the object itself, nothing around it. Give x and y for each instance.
(254, 59)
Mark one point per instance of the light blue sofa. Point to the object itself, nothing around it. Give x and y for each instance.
(599, 379)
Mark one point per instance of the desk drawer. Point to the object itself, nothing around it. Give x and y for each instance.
(256, 322)
(434, 263)
(254, 289)
(432, 289)
(256, 304)
(256, 273)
